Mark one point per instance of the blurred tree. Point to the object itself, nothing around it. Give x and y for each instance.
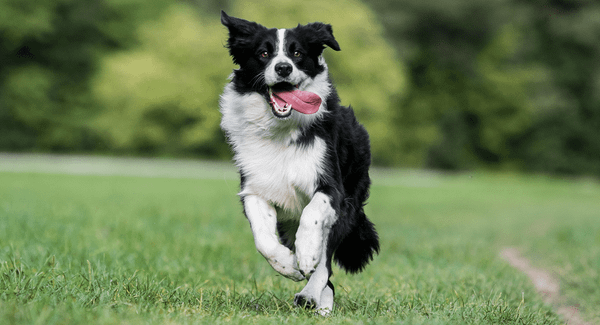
(499, 83)
(467, 96)
(162, 97)
(494, 83)
(565, 137)
(48, 51)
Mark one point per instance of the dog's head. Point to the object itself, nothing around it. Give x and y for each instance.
(284, 65)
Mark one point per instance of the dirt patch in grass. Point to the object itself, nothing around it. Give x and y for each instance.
(545, 284)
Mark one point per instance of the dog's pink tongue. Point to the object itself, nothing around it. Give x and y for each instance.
(303, 101)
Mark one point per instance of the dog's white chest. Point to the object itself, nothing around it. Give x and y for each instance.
(285, 175)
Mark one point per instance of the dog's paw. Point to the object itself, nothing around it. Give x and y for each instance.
(307, 263)
(323, 305)
(309, 249)
(285, 264)
(308, 253)
(326, 305)
(305, 301)
(293, 275)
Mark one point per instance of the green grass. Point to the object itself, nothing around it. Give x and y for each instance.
(113, 249)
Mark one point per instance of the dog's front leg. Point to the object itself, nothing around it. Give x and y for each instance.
(316, 221)
(311, 250)
(263, 221)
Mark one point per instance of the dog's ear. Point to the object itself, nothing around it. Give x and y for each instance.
(238, 26)
(322, 34)
(240, 35)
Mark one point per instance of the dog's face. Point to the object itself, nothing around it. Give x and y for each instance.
(279, 61)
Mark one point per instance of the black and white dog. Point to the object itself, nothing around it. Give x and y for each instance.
(302, 157)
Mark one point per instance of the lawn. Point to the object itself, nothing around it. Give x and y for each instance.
(117, 249)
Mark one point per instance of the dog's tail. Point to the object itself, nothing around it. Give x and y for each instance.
(357, 249)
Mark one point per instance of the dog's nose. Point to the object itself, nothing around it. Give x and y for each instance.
(283, 69)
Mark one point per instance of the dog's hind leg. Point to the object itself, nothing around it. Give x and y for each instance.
(263, 221)
(327, 300)
(318, 292)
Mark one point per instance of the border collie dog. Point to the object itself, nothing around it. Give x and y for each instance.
(303, 158)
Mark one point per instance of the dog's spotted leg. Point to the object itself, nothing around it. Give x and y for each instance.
(263, 221)
(311, 250)
(316, 221)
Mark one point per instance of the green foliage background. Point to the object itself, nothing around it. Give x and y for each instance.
(499, 83)
(162, 96)
(449, 84)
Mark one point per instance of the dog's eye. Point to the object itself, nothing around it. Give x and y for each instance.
(264, 54)
(297, 54)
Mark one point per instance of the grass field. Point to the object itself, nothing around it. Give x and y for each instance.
(116, 249)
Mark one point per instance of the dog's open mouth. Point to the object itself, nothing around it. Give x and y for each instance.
(284, 97)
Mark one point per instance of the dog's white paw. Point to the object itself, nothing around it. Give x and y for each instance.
(309, 249)
(306, 300)
(284, 262)
(326, 304)
(322, 302)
